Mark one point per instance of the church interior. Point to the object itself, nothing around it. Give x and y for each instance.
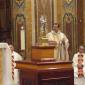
(21, 26)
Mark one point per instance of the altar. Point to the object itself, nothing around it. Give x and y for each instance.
(45, 73)
(44, 69)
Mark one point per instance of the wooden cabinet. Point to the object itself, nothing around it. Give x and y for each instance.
(45, 73)
(40, 53)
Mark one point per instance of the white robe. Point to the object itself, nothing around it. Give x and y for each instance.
(61, 51)
(16, 71)
(78, 81)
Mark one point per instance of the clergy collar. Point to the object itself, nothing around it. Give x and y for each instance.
(55, 32)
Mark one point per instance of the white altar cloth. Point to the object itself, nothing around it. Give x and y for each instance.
(6, 64)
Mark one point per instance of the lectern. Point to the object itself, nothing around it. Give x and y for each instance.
(40, 53)
(45, 71)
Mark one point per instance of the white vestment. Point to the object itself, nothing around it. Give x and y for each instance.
(61, 51)
(17, 57)
(77, 80)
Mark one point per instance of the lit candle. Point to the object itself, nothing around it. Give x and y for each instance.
(22, 38)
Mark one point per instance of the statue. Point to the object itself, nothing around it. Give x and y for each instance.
(43, 30)
(43, 22)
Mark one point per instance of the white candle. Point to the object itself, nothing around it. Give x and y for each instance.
(22, 38)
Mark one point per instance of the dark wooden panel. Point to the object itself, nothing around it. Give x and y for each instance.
(2, 4)
(80, 24)
(5, 21)
(47, 73)
(49, 77)
(56, 77)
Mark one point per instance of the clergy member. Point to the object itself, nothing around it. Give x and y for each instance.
(15, 72)
(60, 41)
(79, 66)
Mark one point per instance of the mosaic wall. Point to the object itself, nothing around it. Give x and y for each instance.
(43, 12)
(22, 20)
(32, 12)
(69, 24)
